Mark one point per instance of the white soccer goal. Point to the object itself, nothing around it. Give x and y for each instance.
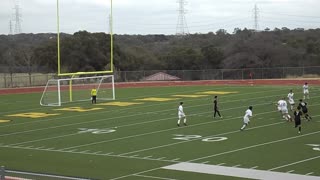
(59, 91)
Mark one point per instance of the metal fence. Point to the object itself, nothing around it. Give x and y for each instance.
(37, 79)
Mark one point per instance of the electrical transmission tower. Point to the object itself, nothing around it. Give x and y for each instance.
(17, 18)
(10, 28)
(182, 28)
(256, 17)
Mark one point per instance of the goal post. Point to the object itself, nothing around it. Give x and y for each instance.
(60, 71)
(60, 91)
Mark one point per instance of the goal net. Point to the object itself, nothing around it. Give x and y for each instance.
(59, 91)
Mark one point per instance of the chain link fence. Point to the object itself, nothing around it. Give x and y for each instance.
(13, 80)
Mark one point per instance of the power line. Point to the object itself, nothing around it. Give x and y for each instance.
(294, 15)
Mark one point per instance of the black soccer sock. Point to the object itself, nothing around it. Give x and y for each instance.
(299, 128)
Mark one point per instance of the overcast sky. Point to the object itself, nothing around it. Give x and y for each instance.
(158, 16)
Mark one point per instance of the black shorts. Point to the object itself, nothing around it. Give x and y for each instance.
(305, 111)
(94, 98)
(297, 122)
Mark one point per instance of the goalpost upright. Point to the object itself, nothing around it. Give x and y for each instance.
(58, 47)
(72, 75)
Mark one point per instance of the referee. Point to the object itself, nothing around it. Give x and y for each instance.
(215, 107)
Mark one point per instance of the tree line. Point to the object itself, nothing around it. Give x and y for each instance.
(85, 51)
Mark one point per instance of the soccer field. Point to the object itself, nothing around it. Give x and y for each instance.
(136, 137)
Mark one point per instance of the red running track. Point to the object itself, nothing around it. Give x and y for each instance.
(271, 82)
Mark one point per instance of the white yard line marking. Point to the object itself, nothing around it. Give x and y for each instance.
(153, 177)
(309, 173)
(98, 120)
(128, 125)
(141, 172)
(221, 88)
(237, 165)
(257, 145)
(160, 131)
(206, 162)
(72, 150)
(129, 157)
(286, 165)
(221, 164)
(44, 175)
(171, 144)
(254, 167)
(290, 171)
(237, 172)
(86, 151)
(176, 159)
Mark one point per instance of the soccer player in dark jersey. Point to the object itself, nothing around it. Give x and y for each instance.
(304, 108)
(215, 107)
(297, 118)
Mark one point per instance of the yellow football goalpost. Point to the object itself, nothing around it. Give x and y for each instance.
(58, 91)
(58, 47)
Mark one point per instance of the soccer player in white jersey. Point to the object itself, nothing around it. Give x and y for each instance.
(291, 100)
(181, 115)
(246, 118)
(282, 105)
(305, 91)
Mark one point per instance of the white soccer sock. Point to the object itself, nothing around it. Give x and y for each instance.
(185, 120)
(244, 126)
(178, 121)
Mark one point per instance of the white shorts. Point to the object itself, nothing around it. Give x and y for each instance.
(181, 115)
(306, 92)
(291, 102)
(246, 120)
(279, 108)
(284, 110)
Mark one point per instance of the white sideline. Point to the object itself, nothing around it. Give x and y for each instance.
(153, 177)
(237, 172)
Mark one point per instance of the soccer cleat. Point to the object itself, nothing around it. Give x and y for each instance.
(185, 124)
(178, 125)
